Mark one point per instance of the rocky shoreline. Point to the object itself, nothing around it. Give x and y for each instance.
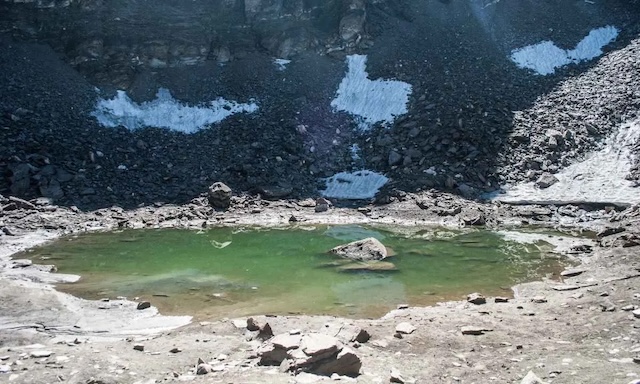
(576, 330)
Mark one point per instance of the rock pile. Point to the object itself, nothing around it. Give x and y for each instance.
(313, 353)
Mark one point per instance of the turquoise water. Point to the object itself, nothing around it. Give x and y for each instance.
(228, 272)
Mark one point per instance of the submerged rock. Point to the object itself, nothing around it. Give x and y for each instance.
(362, 250)
(372, 266)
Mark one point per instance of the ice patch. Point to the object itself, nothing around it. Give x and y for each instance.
(372, 101)
(354, 185)
(600, 178)
(165, 112)
(281, 64)
(545, 57)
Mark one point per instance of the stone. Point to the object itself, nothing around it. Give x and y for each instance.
(394, 158)
(539, 299)
(138, 347)
(500, 299)
(473, 330)
(352, 24)
(40, 354)
(636, 313)
(239, 323)
(361, 336)
(546, 180)
(287, 341)
(5, 369)
(143, 305)
(362, 250)
(476, 298)
(175, 350)
(571, 272)
(405, 328)
(219, 195)
(346, 363)
(316, 344)
(531, 378)
(20, 178)
(203, 369)
(397, 377)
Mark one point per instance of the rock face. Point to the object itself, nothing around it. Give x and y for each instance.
(369, 249)
(219, 195)
(313, 353)
(192, 33)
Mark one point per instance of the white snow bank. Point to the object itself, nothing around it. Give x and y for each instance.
(165, 112)
(372, 101)
(600, 178)
(544, 57)
(354, 185)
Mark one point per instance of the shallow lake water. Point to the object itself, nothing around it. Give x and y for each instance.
(229, 272)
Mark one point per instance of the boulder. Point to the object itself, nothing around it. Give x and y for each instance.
(20, 178)
(362, 250)
(531, 378)
(546, 180)
(219, 195)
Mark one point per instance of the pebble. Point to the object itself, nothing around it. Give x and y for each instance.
(501, 299)
(143, 305)
(5, 369)
(138, 347)
(636, 313)
(175, 350)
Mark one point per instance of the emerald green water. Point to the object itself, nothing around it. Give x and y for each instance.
(229, 272)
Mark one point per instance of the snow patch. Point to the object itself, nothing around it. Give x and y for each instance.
(545, 57)
(371, 101)
(354, 185)
(600, 178)
(165, 112)
(281, 64)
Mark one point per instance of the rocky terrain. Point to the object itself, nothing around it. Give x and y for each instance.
(476, 121)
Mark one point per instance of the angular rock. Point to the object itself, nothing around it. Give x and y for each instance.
(476, 298)
(405, 328)
(546, 180)
(287, 341)
(204, 369)
(531, 378)
(143, 305)
(316, 344)
(346, 363)
(219, 195)
(362, 250)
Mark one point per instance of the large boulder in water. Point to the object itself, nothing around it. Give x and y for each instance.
(369, 249)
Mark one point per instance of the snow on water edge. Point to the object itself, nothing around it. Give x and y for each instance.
(545, 57)
(371, 101)
(600, 178)
(165, 112)
(354, 185)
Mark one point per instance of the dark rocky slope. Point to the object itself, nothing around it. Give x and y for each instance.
(473, 115)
